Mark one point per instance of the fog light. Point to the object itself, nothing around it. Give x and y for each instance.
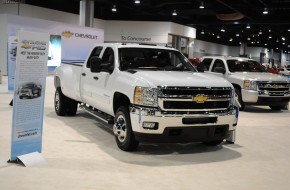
(150, 125)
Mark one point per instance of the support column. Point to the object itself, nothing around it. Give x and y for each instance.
(271, 59)
(86, 13)
(243, 50)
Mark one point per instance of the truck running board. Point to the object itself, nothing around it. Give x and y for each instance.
(96, 113)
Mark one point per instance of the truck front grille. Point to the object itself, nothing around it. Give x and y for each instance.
(194, 99)
(273, 88)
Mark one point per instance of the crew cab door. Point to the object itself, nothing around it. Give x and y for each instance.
(95, 90)
(218, 68)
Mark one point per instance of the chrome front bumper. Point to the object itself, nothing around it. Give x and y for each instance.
(251, 96)
(141, 115)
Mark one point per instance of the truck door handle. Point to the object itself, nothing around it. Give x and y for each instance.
(96, 78)
(84, 74)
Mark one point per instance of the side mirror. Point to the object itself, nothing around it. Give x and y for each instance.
(95, 63)
(219, 70)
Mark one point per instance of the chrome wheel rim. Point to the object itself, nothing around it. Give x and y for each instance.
(56, 101)
(120, 128)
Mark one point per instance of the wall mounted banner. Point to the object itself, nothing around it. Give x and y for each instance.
(76, 41)
(28, 101)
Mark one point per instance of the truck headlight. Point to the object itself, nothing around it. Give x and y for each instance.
(146, 96)
(250, 85)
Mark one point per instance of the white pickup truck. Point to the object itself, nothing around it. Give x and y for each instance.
(253, 84)
(150, 93)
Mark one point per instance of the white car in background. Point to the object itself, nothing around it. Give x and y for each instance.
(284, 72)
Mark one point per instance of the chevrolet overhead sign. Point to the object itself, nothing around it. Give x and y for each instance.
(200, 98)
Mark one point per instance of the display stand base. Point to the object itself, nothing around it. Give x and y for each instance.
(29, 160)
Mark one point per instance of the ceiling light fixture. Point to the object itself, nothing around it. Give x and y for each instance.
(248, 26)
(265, 11)
(218, 36)
(283, 38)
(174, 13)
(114, 9)
(260, 32)
(288, 30)
(202, 32)
(201, 6)
(231, 39)
(237, 34)
(137, 1)
(270, 36)
(223, 30)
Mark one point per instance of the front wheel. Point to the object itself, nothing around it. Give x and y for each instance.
(238, 93)
(123, 130)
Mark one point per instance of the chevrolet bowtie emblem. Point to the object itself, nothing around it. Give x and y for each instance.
(200, 98)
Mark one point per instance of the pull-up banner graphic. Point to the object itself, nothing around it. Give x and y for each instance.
(28, 101)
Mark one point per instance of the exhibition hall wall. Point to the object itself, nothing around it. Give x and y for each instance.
(124, 31)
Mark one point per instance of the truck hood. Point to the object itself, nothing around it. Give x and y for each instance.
(175, 78)
(259, 76)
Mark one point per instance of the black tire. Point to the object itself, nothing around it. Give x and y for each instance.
(122, 128)
(213, 143)
(277, 108)
(64, 105)
(238, 93)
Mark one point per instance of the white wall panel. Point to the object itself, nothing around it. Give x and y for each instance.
(3, 44)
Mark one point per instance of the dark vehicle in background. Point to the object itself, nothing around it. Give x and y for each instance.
(29, 90)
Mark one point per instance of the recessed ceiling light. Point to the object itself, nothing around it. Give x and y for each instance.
(265, 11)
(223, 30)
(202, 32)
(283, 38)
(270, 37)
(137, 2)
(114, 9)
(237, 34)
(260, 32)
(201, 6)
(265, 44)
(231, 39)
(174, 13)
(288, 30)
(248, 26)
(218, 36)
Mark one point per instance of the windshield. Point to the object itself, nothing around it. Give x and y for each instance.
(30, 85)
(245, 66)
(153, 59)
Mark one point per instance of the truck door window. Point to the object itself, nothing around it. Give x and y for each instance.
(108, 56)
(206, 64)
(217, 63)
(96, 52)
